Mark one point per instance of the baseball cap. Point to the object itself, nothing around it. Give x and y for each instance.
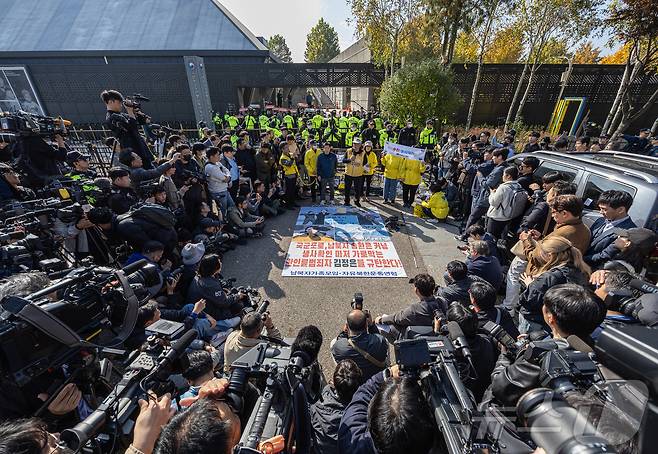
(208, 222)
(638, 236)
(367, 142)
(73, 156)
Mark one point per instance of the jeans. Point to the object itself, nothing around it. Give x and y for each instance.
(327, 184)
(358, 187)
(390, 189)
(513, 288)
(528, 326)
(224, 201)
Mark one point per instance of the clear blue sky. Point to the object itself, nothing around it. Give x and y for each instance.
(294, 18)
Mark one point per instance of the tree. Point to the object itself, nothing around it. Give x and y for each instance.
(277, 45)
(587, 54)
(634, 22)
(385, 23)
(619, 57)
(549, 26)
(420, 91)
(321, 43)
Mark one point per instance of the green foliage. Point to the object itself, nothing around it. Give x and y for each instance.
(420, 91)
(321, 43)
(277, 45)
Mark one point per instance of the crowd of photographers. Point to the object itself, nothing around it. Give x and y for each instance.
(535, 281)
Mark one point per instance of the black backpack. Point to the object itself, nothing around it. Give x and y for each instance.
(153, 213)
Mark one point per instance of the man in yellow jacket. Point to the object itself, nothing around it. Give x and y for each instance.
(392, 167)
(290, 173)
(369, 167)
(311, 164)
(354, 162)
(410, 176)
(436, 207)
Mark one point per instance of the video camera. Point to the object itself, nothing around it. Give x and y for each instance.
(643, 308)
(148, 370)
(95, 304)
(24, 124)
(135, 101)
(431, 359)
(281, 416)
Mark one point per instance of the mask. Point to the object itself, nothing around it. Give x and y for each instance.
(410, 125)
(186, 157)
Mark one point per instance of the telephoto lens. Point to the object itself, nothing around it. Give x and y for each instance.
(557, 427)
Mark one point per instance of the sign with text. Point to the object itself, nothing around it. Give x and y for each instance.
(404, 151)
(341, 242)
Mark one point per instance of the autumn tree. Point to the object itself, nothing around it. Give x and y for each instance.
(278, 47)
(587, 54)
(420, 91)
(321, 43)
(634, 22)
(619, 57)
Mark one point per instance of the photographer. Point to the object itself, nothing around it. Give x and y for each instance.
(10, 188)
(483, 299)
(240, 342)
(138, 174)
(125, 126)
(420, 313)
(328, 411)
(38, 160)
(568, 309)
(360, 342)
(207, 285)
(388, 414)
(122, 196)
(458, 282)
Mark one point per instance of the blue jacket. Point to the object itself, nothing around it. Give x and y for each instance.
(486, 267)
(327, 164)
(353, 434)
(601, 247)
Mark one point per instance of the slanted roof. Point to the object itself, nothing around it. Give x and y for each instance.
(105, 26)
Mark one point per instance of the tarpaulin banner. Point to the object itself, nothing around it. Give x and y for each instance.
(341, 242)
(404, 151)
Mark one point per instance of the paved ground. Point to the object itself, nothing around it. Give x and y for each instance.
(324, 302)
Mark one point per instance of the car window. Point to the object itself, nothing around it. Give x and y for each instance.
(549, 166)
(597, 184)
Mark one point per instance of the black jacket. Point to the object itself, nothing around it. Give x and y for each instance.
(484, 351)
(247, 160)
(532, 298)
(371, 135)
(500, 317)
(37, 160)
(326, 414)
(456, 291)
(531, 147)
(486, 267)
(219, 305)
(353, 434)
(374, 344)
(510, 381)
(536, 214)
(122, 199)
(420, 313)
(138, 231)
(126, 130)
(407, 136)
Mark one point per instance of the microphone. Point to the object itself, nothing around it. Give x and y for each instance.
(177, 349)
(457, 337)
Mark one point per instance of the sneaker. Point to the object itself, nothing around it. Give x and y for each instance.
(322, 202)
(366, 199)
(357, 203)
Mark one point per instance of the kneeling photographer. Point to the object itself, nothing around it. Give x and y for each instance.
(361, 342)
(240, 342)
(571, 311)
(10, 186)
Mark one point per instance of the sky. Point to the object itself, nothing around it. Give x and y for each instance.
(294, 19)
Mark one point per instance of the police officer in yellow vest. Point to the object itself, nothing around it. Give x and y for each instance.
(250, 123)
(392, 170)
(331, 135)
(387, 135)
(427, 140)
(317, 120)
(410, 176)
(369, 168)
(290, 174)
(311, 164)
(351, 134)
(354, 162)
(289, 121)
(263, 122)
(233, 122)
(343, 126)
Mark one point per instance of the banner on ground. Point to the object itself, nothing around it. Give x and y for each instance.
(406, 152)
(341, 242)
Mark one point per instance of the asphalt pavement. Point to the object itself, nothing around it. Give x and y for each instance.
(423, 246)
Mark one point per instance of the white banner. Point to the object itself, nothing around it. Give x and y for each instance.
(403, 150)
(341, 242)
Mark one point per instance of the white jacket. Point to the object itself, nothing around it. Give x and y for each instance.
(501, 201)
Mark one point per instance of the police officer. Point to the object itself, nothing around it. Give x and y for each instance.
(250, 125)
(80, 166)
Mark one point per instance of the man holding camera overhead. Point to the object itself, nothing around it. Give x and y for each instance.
(125, 126)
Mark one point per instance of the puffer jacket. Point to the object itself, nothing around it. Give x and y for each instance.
(438, 204)
(411, 171)
(326, 414)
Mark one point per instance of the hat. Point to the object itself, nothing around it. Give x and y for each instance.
(209, 222)
(645, 130)
(73, 156)
(192, 253)
(356, 140)
(367, 142)
(638, 236)
(604, 136)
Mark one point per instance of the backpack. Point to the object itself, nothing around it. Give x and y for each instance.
(152, 213)
(519, 201)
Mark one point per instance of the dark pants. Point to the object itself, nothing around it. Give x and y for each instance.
(234, 189)
(409, 193)
(476, 214)
(291, 190)
(496, 228)
(358, 187)
(368, 181)
(314, 188)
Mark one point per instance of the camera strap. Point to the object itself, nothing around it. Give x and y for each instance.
(130, 317)
(366, 355)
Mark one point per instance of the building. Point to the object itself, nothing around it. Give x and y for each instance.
(56, 56)
(353, 98)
